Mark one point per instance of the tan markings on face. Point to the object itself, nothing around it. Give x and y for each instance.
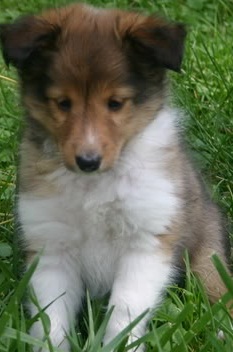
(100, 124)
(92, 127)
(103, 127)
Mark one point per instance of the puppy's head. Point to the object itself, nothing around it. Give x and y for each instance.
(92, 78)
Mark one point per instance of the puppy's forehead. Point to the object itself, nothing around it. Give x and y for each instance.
(88, 48)
(84, 23)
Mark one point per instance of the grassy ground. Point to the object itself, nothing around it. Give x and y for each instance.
(186, 321)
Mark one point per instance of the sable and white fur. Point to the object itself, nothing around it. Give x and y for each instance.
(122, 229)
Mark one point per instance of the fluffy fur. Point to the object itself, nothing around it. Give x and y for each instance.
(94, 89)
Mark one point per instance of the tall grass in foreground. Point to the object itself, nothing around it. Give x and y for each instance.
(185, 321)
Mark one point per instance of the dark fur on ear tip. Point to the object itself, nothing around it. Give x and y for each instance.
(24, 37)
(155, 41)
(15, 43)
(166, 45)
(177, 34)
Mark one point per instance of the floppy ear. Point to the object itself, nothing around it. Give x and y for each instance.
(25, 38)
(153, 41)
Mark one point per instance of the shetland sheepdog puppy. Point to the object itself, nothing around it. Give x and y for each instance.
(107, 193)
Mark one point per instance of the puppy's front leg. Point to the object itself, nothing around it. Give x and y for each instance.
(57, 284)
(139, 284)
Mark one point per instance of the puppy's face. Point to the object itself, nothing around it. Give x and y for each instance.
(91, 78)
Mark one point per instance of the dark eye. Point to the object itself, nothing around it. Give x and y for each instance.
(114, 104)
(64, 104)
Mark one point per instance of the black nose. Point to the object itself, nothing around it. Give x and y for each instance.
(88, 162)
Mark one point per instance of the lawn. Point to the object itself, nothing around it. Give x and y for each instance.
(185, 322)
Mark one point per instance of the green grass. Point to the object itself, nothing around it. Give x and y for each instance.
(186, 321)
